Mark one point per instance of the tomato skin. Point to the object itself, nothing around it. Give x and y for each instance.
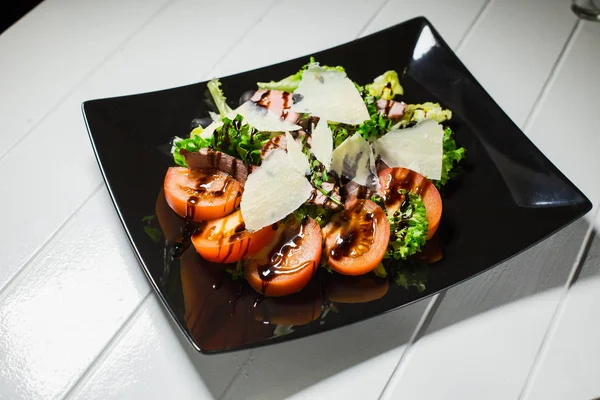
(356, 239)
(393, 179)
(201, 194)
(296, 263)
(226, 240)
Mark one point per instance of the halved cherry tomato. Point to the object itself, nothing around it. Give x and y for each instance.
(226, 239)
(394, 179)
(201, 194)
(356, 238)
(287, 264)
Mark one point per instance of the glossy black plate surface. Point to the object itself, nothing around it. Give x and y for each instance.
(508, 198)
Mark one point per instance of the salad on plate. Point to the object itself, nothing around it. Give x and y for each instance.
(312, 171)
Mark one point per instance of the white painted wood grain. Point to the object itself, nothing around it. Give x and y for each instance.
(455, 361)
(57, 157)
(52, 49)
(485, 335)
(68, 304)
(570, 364)
(512, 50)
(150, 361)
(314, 25)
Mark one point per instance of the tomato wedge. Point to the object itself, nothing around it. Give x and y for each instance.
(226, 239)
(356, 238)
(287, 264)
(201, 194)
(395, 179)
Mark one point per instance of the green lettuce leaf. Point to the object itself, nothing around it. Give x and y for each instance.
(408, 228)
(233, 137)
(428, 110)
(214, 87)
(451, 157)
(385, 86)
(193, 143)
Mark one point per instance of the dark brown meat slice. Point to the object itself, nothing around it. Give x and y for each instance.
(208, 158)
(394, 110)
(276, 142)
(280, 142)
(277, 102)
(319, 199)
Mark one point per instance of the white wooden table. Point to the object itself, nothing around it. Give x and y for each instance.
(78, 318)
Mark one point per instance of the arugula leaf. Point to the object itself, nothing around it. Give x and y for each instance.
(233, 137)
(451, 157)
(239, 140)
(385, 86)
(320, 214)
(237, 272)
(372, 129)
(290, 83)
(408, 228)
(375, 127)
(214, 87)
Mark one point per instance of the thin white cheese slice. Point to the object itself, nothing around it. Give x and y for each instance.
(296, 156)
(322, 143)
(273, 191)
(354, 160)
(419, 148)
(262, 119)
(329, 93)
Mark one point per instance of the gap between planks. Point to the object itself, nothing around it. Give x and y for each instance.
(560, 307)
(88, 75)
(87, 373)
(434, 303)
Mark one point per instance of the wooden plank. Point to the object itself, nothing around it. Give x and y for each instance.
(569, 364)
(57, 155)
(68, 304)
(484, 336)
(150, 360)
(56, 37)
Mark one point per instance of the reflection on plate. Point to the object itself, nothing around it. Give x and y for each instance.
(509, 197)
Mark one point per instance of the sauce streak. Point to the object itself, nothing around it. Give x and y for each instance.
(397, 185)
(290, 239)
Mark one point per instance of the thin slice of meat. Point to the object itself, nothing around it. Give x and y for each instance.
(208, 158)
(276, 142)
(280, 142)
(320, 199)
(394, 110)
(277, 102)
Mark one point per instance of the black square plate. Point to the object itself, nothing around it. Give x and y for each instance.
(509, 197)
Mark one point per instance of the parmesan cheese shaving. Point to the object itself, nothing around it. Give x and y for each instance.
(329, 93)
(273, 191)
(419, 148)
